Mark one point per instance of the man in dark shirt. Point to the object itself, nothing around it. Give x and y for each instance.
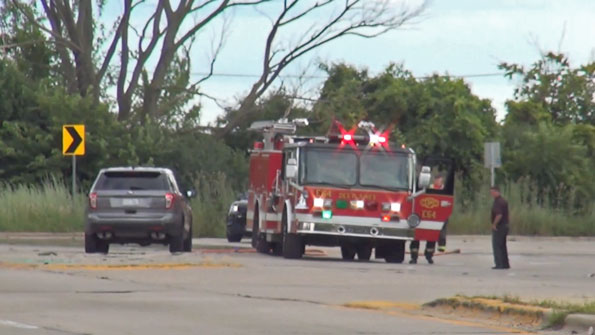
(499, 220)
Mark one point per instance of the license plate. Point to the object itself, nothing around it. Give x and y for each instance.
(130, 202)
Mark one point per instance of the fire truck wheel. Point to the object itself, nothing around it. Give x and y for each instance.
(395, 253)
(258, 240)
(348, 252)
(364, 252)
(293, 244)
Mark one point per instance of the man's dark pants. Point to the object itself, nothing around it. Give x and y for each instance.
(499, 246)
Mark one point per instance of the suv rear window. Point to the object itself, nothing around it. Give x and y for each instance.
(132, 180)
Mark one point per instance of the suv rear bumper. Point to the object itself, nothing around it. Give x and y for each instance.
(134, 228)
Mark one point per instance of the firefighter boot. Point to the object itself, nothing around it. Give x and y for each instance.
(414, 253)
(429, 256)
(414, 250)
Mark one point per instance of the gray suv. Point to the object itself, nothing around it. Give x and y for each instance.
(137, 205)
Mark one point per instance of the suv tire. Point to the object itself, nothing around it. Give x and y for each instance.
(94, 245)
(188, 241)
(176, 243)
(90, 243)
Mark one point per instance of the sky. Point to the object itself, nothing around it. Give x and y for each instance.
(456, 37)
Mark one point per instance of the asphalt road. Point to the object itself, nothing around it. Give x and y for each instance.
(53, 288)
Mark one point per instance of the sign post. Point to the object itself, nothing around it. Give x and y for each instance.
(492, 159)
(73, 144)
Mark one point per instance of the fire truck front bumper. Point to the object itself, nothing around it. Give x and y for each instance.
(365, 227)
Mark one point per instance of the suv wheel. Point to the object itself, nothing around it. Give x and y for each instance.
(90, 243)
(188, 240)
(95, 245)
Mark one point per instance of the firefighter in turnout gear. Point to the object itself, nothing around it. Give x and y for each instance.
(438, 184)
(429, 252)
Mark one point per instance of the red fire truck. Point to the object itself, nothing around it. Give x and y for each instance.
(350, 188)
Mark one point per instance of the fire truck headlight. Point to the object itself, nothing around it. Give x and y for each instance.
(357, 204)
(413, 221)
(234, 208)
(395, 206)
(318, 202)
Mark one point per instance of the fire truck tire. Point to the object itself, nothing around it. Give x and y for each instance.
(293, 244)
(258, 240)
(348, 252)
(364, 252)
(395, 252)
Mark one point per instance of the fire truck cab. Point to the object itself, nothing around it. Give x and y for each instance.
(359, 192)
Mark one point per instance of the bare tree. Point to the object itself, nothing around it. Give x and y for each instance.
(71, 25)
(363, 18)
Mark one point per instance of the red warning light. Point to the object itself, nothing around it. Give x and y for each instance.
(386, 218)
(381, 139)
(347, 137)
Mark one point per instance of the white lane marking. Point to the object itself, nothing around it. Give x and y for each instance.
(17, 324)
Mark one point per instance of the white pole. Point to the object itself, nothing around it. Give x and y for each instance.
(492, 176)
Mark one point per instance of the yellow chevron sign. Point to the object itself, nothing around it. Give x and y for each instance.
(73, 140)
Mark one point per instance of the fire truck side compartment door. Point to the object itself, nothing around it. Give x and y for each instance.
(437, 203)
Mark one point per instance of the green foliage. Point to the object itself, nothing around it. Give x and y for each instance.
(435, 116)
(564, 92)
(275, 106)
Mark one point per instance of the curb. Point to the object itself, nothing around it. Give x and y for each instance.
(520, 313)
(582, 321)
(494, 309)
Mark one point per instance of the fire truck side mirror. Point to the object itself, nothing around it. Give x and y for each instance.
(424, 177)
(291, 168)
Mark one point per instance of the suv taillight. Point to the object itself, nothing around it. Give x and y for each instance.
(169, 200)
(93, 200)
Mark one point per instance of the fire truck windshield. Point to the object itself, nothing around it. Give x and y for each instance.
(340, 168)
(384, 170)
(330, 167)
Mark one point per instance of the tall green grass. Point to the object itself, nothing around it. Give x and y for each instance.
(527, 217)
(210, 207)
(48, 207)
(45, 207)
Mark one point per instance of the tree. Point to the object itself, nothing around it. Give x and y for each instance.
(361, 18)
(438, 115)
(553, 161)
(85, 67)
(552, 86)
(276, 105)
